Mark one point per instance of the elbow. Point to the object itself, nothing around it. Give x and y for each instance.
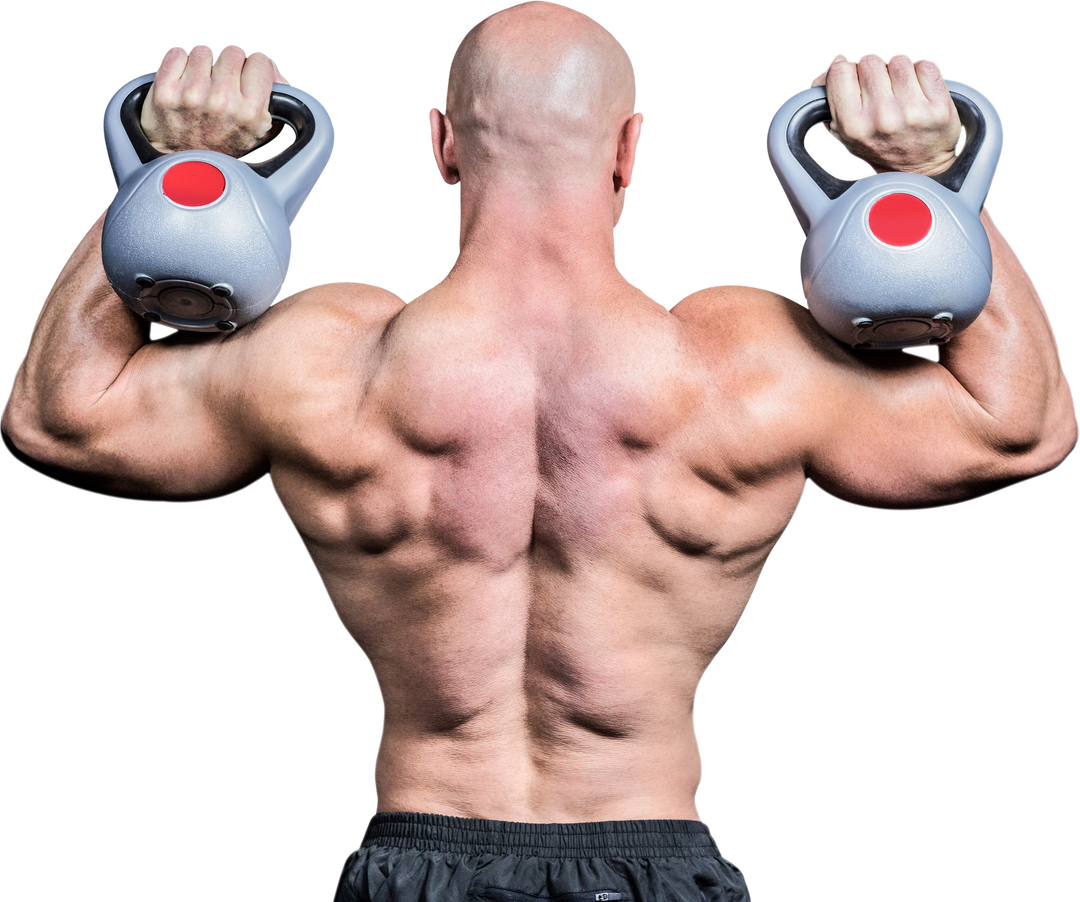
(1049, 453)
(17, 429)
(1031, 428)
(1061, 439)
(1046, 447)
(1060, 432)
(23, 436)
(41, 441)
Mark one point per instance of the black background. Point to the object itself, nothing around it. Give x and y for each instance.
(185, 716)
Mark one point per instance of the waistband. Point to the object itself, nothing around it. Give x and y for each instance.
(602, 839)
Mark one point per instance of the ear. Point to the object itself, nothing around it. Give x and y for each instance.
(625, 164)
(442, 143)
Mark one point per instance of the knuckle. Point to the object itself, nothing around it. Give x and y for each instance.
(246, 117)
(859, 131)
(918, 118)
(165, 94)
(191, 96)
(216, 103)
(942, 114)
(889, 119)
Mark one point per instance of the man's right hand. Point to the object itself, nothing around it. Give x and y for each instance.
(898, 117)
(198, 104)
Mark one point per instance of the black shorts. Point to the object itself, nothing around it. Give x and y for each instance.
(432, 858)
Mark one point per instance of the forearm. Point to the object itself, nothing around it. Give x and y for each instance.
(1007, 361)
(84, 337)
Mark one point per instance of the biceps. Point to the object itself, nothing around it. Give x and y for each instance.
(909, 436)
(167, 428)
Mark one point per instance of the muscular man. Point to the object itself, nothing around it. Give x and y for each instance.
(539, 501)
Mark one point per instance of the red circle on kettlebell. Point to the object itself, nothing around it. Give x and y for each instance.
(193, 183)
(900, 219)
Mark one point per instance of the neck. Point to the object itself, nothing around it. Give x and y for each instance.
(525, 234)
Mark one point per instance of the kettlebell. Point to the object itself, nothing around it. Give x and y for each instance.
(896, 259)
(199, 240)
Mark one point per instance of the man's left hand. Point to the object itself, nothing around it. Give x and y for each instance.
(898, 116)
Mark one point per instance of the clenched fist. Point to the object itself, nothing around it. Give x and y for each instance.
(899, 116)
(198, 104)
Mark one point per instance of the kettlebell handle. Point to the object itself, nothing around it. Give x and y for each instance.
(800, 174)
(834, 186)
(283, 108)
(291, 175)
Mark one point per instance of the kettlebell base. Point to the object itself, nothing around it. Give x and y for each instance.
(891, 333)
(183, 304)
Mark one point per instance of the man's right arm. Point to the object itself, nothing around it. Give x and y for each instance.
(889, 429)
(900, 431)
(997, 408)
(886, 428)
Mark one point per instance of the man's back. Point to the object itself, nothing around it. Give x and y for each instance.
(538, 500)
(540, 541)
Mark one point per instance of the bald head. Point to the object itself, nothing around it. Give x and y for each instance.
(541, 89)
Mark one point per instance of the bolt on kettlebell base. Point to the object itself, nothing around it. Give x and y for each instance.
(185, 305)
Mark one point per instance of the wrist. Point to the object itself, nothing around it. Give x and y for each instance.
(940, 164)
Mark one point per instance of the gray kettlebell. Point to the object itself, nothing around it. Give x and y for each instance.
(198, 240)
(892, 260)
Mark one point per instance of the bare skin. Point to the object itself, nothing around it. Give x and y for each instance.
(539, 500)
